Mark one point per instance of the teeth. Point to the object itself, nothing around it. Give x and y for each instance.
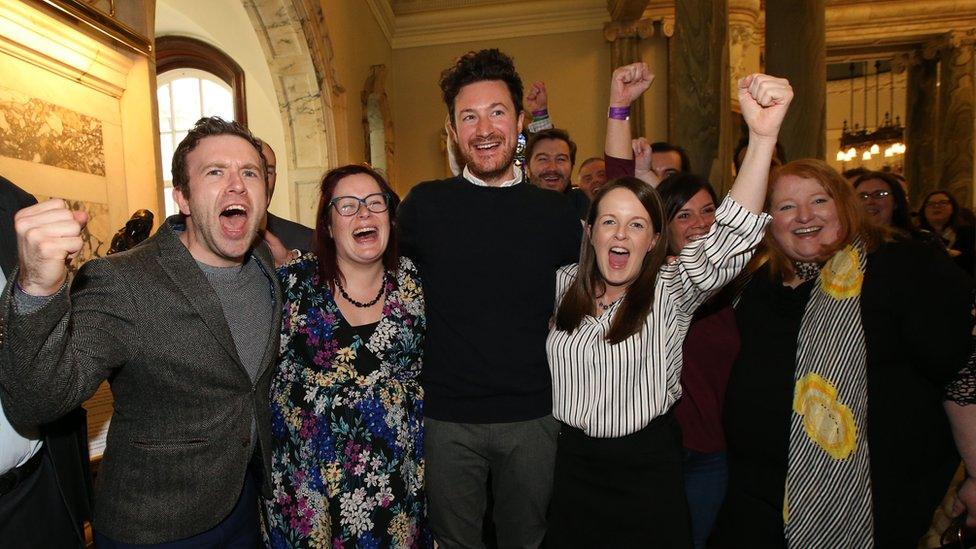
(697, 236)
(619, 250)
(235, 208)
(486, 146)
(806, 230)
(363, 230)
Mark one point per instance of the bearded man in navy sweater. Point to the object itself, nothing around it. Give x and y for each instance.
(488, 245)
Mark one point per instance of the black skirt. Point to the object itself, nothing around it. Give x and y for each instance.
(619, 492)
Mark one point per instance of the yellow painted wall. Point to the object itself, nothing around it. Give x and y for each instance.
(359, 44)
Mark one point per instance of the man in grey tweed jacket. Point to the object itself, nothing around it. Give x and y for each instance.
(185, 328)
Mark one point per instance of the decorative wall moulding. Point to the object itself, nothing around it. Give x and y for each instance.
(893, 22)
(488, 22)
(98, 23)
(38, 38)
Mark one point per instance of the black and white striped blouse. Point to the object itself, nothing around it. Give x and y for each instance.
(615, 390)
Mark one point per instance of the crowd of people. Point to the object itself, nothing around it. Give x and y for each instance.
(502, 359)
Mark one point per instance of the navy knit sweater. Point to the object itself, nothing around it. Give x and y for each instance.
(488, 258)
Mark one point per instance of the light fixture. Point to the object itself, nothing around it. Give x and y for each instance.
(887, 136)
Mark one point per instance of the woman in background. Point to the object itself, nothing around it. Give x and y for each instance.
(884, 201)
(940, 214)
(709, 350)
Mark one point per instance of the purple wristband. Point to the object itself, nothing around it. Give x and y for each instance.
(618, 113)
(541, 113)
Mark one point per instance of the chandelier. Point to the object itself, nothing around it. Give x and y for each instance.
(886, 138)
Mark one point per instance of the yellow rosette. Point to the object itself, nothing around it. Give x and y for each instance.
(828, 423)
(841, 277)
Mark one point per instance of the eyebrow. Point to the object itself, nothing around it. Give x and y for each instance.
(474, 109)
(224, 165)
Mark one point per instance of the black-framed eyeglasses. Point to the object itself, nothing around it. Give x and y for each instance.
(349, 205)
(877, 195)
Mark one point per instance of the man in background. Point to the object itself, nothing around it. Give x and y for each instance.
(551, 155)
(294, 236)
(45, 480)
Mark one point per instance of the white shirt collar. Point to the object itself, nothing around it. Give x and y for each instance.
(516, 171)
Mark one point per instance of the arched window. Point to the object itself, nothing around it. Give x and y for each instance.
(194, 79)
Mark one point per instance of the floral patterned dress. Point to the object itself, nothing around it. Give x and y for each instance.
(347, 419)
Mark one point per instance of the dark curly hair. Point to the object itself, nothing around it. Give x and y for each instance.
(208, 126)
(478, 66)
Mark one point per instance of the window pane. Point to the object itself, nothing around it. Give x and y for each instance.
(171, 207)
(165, 113)
(186, 102)
(166, 153)
(217, 100)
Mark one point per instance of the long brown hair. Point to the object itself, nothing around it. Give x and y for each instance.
(633, 311)
(322, 242)
(850, 215)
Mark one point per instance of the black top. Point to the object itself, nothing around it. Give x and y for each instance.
(294, 236)
(579, 200)
(915, 311)
(349, 336)
(965, 244)
(488, 257)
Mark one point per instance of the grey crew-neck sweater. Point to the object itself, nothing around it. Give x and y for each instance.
(245, 296)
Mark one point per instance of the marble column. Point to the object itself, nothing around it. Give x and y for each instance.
(796, 49)
(957, 118)
(624, 38)
(921, 124)
(745, 43)
(698, 91)
(745, 46)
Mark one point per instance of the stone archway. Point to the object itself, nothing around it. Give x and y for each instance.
(299, 54)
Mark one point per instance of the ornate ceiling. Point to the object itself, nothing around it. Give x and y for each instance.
(855, 28)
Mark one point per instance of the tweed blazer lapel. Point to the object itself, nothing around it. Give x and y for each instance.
(182, 269)
(263, 255)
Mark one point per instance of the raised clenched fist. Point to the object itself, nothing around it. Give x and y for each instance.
(764, 101)
(48, 237)
(536, 97)
(628, 83)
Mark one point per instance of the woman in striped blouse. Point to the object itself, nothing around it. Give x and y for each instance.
(615, 349)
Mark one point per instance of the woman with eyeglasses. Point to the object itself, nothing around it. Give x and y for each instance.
(883, 200)
(940, 214)
(347, 408)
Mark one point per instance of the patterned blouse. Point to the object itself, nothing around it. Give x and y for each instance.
(347, 419)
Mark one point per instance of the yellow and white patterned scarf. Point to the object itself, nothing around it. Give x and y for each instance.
(828, 502)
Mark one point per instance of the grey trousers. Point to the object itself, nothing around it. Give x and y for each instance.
(520, 457)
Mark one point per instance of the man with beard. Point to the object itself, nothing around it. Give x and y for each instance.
(551, 155)
(185, 326)
(488, 246)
